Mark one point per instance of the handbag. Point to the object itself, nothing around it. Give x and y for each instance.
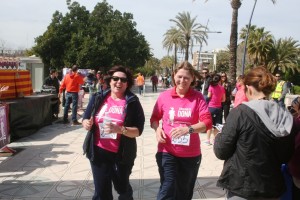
(88, 144)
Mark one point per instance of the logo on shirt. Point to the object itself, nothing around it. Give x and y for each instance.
(184, 112)
(116, 110)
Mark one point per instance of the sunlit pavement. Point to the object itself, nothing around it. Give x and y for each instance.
(49, 164)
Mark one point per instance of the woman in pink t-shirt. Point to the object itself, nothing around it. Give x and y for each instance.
(240, 95)
(184, 114)
(216, 95)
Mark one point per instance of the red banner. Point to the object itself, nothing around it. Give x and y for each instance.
(4, 128)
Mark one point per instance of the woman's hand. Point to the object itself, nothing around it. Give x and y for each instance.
(110, 127)
(160, 135)
(179, 131)
(87, 123)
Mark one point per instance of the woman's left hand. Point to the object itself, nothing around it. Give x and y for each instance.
(179, 131)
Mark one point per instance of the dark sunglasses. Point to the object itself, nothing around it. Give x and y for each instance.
(116, 78)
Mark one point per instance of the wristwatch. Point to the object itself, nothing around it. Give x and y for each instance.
(191, 129)
(124, 130)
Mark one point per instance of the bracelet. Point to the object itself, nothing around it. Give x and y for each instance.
(124, 130)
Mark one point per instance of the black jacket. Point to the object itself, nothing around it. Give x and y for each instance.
(253, 155)
(134, 118)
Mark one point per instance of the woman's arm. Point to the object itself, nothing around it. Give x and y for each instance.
(225, 142)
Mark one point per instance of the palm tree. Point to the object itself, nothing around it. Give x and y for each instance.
(284, 56)
(173, 39)
(260, 45)
(189, 30)
(235, 4)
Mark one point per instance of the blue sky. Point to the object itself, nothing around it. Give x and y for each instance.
(23, 20)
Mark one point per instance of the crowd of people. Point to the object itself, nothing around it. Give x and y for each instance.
(258, 134)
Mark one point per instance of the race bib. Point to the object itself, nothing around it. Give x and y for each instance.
(104, 135)
(183, 140)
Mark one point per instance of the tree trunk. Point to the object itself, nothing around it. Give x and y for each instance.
(187, 39)
(175, 57)
(235, 4)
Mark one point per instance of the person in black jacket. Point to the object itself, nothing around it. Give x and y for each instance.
(255, 141)
(52, 82)
(115, 117)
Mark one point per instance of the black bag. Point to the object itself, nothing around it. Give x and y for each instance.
(89, 142)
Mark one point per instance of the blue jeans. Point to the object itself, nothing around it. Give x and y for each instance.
(71, 97)
(141, 88)
(177, 176)
(106, 170)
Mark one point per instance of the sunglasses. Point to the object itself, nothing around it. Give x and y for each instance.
(277, 76)
(116, 78)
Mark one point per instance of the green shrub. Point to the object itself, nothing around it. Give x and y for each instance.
(297, 89)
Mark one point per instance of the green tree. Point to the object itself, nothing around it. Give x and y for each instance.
(223, 58)
(173, 38)
(104, 37)
(189, 30)
(284, 56)
(259, 46)
(235, 5)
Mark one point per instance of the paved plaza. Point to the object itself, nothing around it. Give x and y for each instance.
(50, 165)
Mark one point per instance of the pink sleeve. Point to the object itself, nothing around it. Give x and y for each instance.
(207, 120)
(157, 111)
(209, 89)
(204, 114)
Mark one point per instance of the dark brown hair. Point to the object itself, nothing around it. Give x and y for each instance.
(261, 79)
(126, 71)
(215, 79)
(186, 66)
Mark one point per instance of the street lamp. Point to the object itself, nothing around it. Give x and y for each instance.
(198, 65)
(247, 35)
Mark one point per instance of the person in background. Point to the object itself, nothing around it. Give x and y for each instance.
(154, 81)
(216, 95)
(106, 83)
(184, 114)
(91, 82)
(280, 91)
(71, 83)
(227, 86)
(52, 81)
(140, 81)
(254, 142)
(205, 83)
(240, 95)
(116, 118)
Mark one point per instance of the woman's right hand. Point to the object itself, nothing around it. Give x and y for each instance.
(160, 135)
(87, 123)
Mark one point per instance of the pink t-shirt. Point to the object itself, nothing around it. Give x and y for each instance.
(176, 111)
(240, 96)
(217, 92)
(115, 111)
